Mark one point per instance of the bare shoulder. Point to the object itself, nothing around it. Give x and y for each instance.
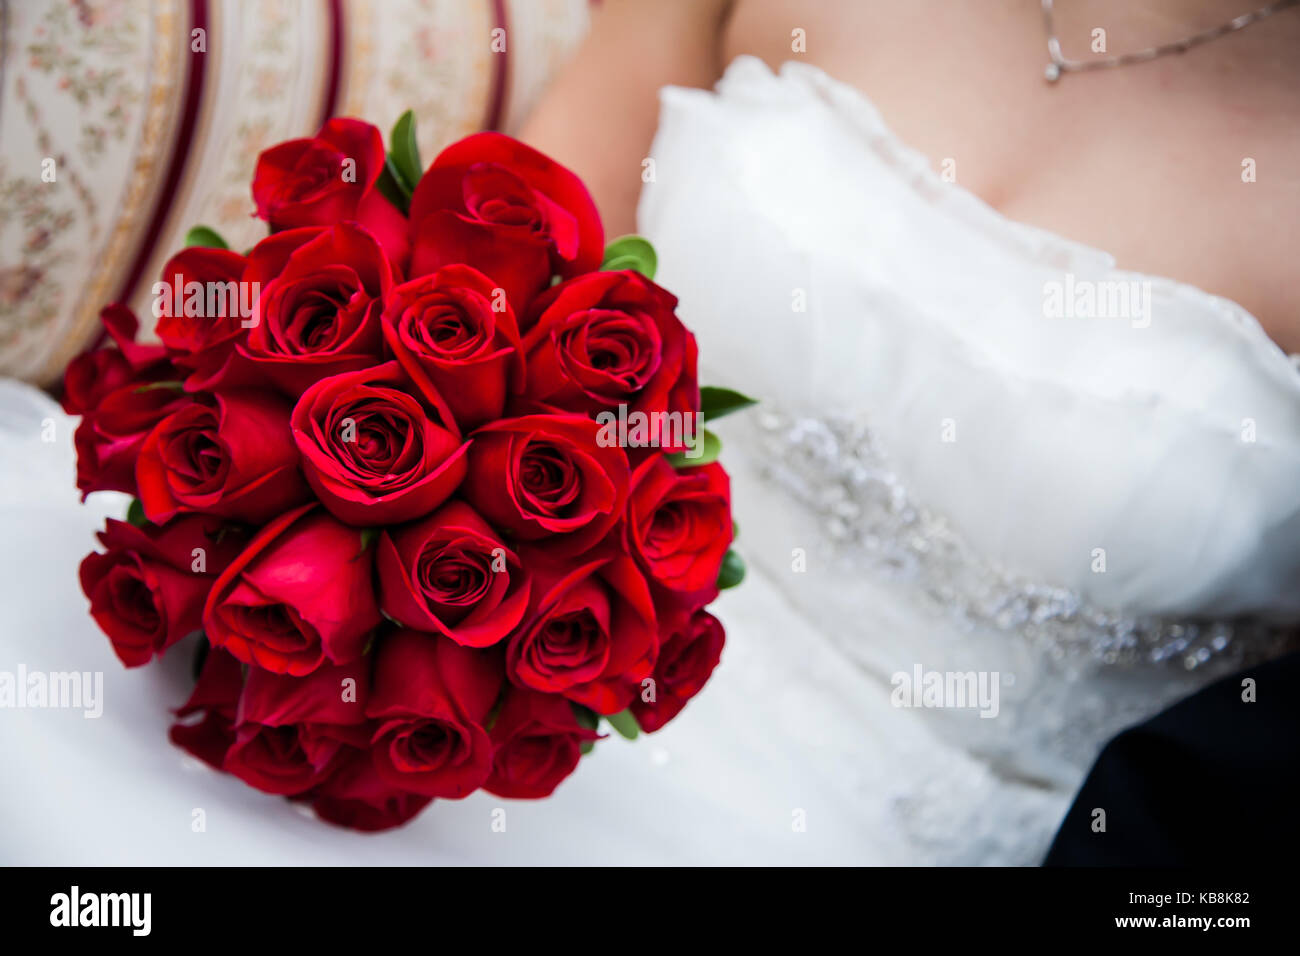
(781, 30)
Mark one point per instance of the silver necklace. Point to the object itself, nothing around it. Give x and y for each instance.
(1059, 64)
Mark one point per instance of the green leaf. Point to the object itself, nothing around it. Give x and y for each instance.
(403, 152)
(200, 656)
(155, 386)
(495, 712)
(368, 536)
(732, 571)
(392, 189)
(402, 169)
(205, 236)
(709, 449)
(716, 402)
(620, 263)
(588, 719)
(631, 252)
(585, 716)
(135, 514)
(624, 723)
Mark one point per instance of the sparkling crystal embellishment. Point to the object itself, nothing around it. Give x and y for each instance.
(836, 467)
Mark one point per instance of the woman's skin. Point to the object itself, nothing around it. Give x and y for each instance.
(1144, 161)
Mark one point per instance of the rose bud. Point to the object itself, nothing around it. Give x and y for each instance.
(538, 743)
(451, 574)
(508, 211)
(431, 698)
(685, 662)
(371, 450)
(231, 456)
(591, 633)
(147, 591)
(92, 376)
(327, 179)
(109, 438)
(291, 733)
(456, 336)
(674, 609)
(607, 339)
(216, 698)
(204, 302)
(300, 594)
(123, 393)
(548, 477)
(358, 798)
(319, 315)
(679, 523)
(273, 760)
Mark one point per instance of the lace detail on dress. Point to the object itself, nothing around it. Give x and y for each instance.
(835, 466)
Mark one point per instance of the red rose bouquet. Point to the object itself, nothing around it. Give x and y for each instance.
(426, 469)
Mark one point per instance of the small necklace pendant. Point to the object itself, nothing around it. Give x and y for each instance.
(1052, 73)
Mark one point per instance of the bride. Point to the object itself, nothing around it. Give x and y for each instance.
(1025, 469)
(958, 480)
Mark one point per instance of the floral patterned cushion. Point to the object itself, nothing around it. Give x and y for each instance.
(125, 122)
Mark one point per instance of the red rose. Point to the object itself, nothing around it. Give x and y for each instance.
(357, 796)
(300, 594)
(231, 456)
(371, 451)
(201, 305)
(123, 393)
(431, 698)
(147, 591)
(505, 209)
(548, 477)
(328, 179)
(271, 255)
(674, 609)
(215, 698)
(110, 436)
(538, 743)
(320, 180)
(607, 339)
(679, 523)
(93, 376)
(272, 759)
(375, 456)
(590, 635)
(451, 574)
(319, 315)
(685, 662)
(291, 733)
(453, 334)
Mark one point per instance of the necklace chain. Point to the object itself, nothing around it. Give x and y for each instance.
(1060, 64)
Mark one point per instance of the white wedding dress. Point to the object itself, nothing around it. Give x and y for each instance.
(1103, 513)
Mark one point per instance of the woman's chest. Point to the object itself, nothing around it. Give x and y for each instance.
(1180, 169)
